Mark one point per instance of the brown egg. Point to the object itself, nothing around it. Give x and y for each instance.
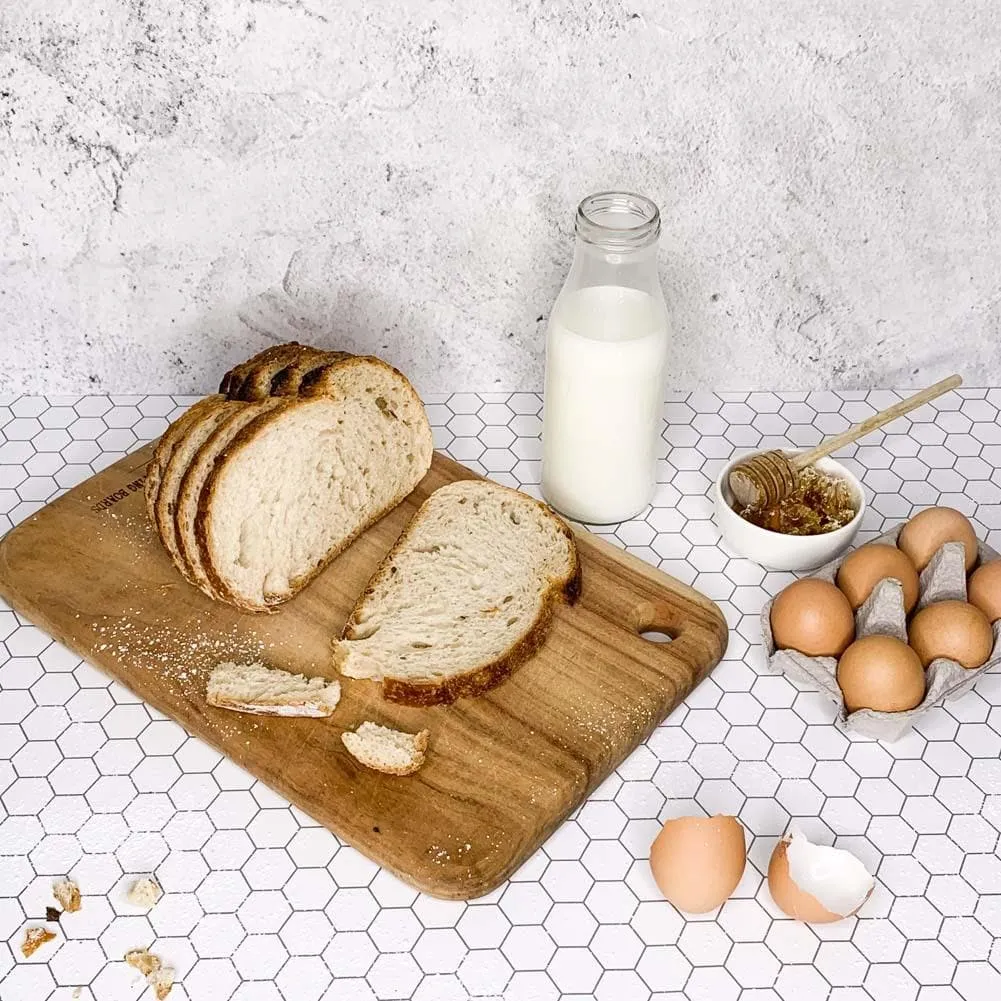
(953, 629)
(804, 879)
(813, 617)
(882, 673)
(697, 861)
(984, 589)
(926, 533)
(863, 569)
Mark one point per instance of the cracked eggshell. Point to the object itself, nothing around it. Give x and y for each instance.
(697, 862)
(816, 883)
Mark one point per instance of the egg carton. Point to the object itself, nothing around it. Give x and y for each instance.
(883, 613)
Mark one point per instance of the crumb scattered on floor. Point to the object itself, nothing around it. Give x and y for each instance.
(161, 981)
(145, 892)
(34, 938)
(68, 895)
(143, 960)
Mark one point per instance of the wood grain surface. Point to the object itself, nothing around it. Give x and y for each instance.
(502, 770)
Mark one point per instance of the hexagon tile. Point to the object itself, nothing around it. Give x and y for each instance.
(261, 904)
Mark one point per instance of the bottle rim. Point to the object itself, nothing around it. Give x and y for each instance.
(618, 220)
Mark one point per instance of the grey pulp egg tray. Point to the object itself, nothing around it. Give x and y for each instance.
(883, 612)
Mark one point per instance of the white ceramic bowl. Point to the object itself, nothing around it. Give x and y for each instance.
(773, 549)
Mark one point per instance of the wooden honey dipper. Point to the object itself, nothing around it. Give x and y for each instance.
(766, 478)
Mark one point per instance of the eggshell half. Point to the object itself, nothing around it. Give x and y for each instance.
(828, 871)
(697, 861)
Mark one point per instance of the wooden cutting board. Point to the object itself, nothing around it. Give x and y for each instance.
(502, 770)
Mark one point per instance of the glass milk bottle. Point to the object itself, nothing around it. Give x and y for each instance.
(606, 350)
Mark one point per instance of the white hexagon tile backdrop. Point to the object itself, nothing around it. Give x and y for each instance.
(261, 904)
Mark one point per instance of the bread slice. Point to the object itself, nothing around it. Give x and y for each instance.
(165, 504)
(269, 691)
(466, 595)
(391, 751)
(296, 486)
(166, 445)
(190, 490)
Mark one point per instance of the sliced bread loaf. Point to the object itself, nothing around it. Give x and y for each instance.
(465, 596)
(189, 491)
(391, 751)
(269, 691)
(296, 486)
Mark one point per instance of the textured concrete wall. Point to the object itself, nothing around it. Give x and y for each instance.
(182, 181)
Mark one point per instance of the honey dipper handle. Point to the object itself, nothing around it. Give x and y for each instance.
(876, 421)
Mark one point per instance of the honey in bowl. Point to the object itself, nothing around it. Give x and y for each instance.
(819, 504)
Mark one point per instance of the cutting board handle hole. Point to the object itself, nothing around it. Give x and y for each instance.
(656, 636)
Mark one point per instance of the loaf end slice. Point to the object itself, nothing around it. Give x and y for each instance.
(270, 691)
(466, 595)
(385, 750)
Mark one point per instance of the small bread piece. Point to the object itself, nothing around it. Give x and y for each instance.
(144, 892)
(68, 895)
(269, 691)
(168, 441)
(161, 981)
(143, 960)
(34, 938)
(465, 595)
(385, 750)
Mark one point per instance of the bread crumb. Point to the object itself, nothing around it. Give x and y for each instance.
(145, 892)
(161, 981)
(34, 938)
(158, 976)
(68, 895)
(77, 991)
(144, 961)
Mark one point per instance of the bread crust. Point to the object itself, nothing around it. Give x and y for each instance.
(256, 384)
(480, 679)
(287, 381)
(234, 378)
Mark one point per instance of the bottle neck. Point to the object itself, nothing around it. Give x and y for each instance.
(596, 265)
